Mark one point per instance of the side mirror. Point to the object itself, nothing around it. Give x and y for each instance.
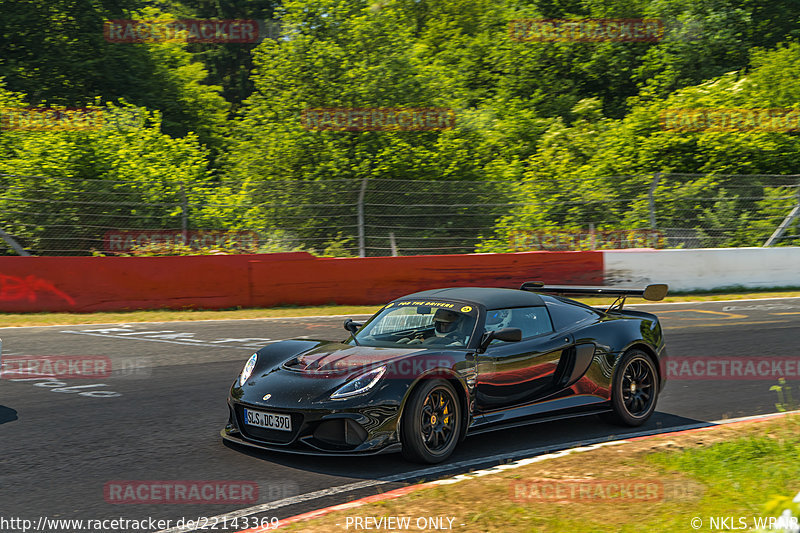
(655, 293)
(351, 326)
(506, 335)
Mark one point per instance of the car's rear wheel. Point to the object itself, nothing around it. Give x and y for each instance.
(431, 422)
(635, 389)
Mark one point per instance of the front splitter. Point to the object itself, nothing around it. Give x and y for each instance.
(237, 439)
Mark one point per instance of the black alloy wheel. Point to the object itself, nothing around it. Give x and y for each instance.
(635, 389)
(431, 422)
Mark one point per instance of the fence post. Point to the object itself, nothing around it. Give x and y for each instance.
(362, 250)
(651, 201)
(184, 215)
(780, 230)
(13, 243)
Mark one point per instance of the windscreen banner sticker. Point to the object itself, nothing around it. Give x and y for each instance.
(433, 303)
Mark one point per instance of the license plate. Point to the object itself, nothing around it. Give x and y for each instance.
(268, 420)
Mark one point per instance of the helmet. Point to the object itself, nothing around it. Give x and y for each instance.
(446, 322)
(498, 319)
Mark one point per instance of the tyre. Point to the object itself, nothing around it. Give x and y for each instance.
(431, 422)
(634, 390)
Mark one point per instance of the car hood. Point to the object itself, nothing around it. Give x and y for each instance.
(344, 358)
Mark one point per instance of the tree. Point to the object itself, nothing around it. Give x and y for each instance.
(55, 53)
(65, 189)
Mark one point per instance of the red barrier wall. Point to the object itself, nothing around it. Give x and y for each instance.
(85, 284)
(379, 279)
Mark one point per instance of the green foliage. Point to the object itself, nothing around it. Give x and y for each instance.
(56, 54)
(779, 503)
(101, 178)
(179, 248)
(599, 170)
(340, 247)
(279, 241)
(785, 400)
(345, 53)
(745, 468)
(575, 124)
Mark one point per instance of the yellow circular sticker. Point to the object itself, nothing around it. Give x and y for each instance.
(466, 309)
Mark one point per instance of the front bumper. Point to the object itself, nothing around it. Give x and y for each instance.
(365, 430)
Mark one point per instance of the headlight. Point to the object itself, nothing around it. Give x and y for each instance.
(248, 369)
(362, 383)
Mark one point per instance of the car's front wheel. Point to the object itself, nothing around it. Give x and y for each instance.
(431, 422)
(635, 389)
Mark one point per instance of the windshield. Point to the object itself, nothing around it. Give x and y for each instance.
(420, 324)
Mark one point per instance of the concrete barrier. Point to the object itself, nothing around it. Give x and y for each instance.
(704, 269)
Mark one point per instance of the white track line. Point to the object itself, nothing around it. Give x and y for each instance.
(717, 301)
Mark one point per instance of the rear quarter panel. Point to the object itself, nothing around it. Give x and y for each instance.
(617, 332)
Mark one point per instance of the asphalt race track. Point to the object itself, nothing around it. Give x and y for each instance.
(157, 416)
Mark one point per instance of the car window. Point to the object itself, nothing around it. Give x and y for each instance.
(532, 321)
(420, 323)
(566, 315)
(400, 320)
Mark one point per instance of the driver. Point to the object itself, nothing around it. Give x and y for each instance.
(449, 328)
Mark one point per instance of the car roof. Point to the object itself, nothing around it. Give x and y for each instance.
(491, 298)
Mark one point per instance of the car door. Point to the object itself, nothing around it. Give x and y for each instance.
(516, 373)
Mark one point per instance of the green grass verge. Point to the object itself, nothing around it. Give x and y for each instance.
(50, 319)
(731, 471)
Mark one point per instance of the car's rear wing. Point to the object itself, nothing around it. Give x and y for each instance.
(654, 292)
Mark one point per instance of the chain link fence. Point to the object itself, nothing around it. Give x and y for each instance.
(377, 217)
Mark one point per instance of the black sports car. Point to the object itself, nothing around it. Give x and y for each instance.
(432, 367)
